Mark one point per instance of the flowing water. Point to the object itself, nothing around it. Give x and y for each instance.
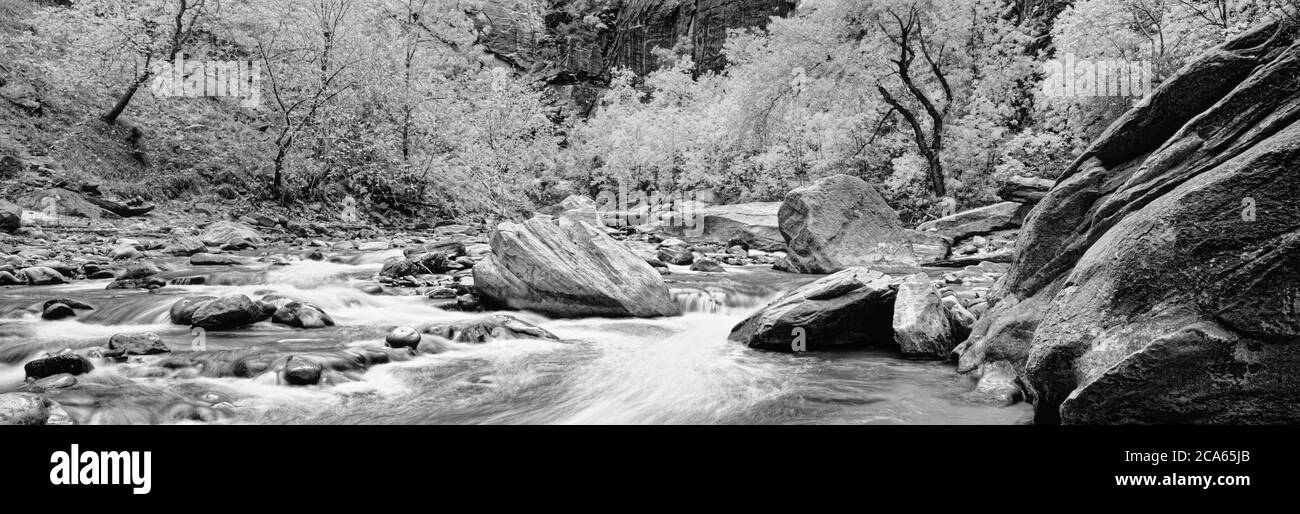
(679, 370)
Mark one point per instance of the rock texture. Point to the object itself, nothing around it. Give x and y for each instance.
(841, 222)
(569, 269)
(851, 308)
(1157, 281)
(921, 326)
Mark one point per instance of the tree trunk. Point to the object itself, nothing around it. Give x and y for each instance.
(122, 101)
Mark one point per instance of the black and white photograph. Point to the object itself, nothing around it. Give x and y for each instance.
(993, 234)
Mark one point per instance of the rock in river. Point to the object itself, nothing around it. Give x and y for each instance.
(482, 330)
(67, 362)
(225, 313)
(851, 308)
(841, 222)
(569, 269)
(23, 409)
(921, 326)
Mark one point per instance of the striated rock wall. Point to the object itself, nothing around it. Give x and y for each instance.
(1159, 280)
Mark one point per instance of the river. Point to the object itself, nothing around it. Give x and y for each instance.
(680, 370)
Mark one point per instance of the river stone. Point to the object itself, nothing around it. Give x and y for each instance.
(8, 279)
(490, 328)
(57, 311)
(301, 315)
(227, 313)
(841, 222)
(569, 269)
(300, 371)
(223, 233)
(23, 409)
(126, 345)
(74, 304)
(679, 255)
(921, 327)
(851, 308)
(403, 337)
(55, 364)
(424, 264)
(976, 222)
(755, 224)
(210, 259)
(707, 265)
(185, 247)
(41, 276)
(9, 221)
(182, 312)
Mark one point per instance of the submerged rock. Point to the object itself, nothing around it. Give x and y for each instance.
(482, 330)
(301, 315)
(231, 233)
(23, 409)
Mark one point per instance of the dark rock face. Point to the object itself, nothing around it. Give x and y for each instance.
(1156, 282)
(852, 308)
(70, 363)
(569, 270)
(225, 313)
(538, 38)
(842, 222)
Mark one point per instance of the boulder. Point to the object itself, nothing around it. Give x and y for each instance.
(974, 222)
(223, 233)
(1156, 282)
(182, 312)
(122, 346)
(403, 337)
(301, 315)
(707, 265)
(921, 327)
(679, 255)
(483, 330)
(67, 362)
(41, 276)
(929, 247)
(301, 371)
(57, 311)
(841, 222)
(9, 221)
(755, 224)
(23, 409)
(423, 264)
(569, 269)
(848, 309)
(225, 313)
(8, 279)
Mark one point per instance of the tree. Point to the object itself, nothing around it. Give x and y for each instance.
(907, 33)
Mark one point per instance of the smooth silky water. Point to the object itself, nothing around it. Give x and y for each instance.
(680, 370)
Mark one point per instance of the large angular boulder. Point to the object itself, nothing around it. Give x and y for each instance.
(1156, 282)
(842, 222)
(852, 308)
(984, 220)
(569, 269)
(921, 326)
